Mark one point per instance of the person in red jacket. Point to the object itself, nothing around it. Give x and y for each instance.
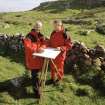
(34, 42)
(61, 40)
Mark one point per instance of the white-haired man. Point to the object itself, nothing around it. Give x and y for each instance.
(34, 42)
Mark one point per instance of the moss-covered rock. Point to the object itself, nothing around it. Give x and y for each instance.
(100, 28)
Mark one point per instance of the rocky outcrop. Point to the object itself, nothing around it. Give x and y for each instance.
(77, 21)
(100, 28)
(91, 3)
(70, 4)
(86, 64)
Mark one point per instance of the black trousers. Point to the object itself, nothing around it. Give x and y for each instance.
(35, 81)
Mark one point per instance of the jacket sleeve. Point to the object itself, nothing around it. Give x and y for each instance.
(67, 44)
(29, 45)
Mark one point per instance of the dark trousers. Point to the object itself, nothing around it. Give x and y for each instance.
(35, 81)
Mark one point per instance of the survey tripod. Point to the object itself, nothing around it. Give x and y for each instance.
(43, 74)
(49, 54)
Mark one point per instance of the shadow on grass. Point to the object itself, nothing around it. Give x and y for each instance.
(16, 87)
(95, 83)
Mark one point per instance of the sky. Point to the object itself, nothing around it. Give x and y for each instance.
(19, 5)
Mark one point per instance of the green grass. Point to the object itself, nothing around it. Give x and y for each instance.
(65, 94)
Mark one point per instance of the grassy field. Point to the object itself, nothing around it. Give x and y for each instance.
(65, 94)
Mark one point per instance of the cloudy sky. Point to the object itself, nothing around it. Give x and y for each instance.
(19, 5)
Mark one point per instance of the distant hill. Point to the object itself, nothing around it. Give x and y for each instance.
(67, 4)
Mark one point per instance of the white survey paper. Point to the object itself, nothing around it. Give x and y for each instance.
(51, 53)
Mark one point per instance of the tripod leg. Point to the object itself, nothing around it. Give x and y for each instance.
(56, 69)
(43, 77)
(42, 72)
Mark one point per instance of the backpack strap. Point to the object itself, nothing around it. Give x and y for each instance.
(32, 37)
(65, 35)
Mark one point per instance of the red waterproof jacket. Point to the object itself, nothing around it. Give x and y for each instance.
(32, 43)
(62, 40)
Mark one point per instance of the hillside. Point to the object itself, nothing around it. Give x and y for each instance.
(22, 22)
(70, 4)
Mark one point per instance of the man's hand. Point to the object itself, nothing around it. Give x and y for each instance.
(40, 50)
(34, 56)
(58, 48)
